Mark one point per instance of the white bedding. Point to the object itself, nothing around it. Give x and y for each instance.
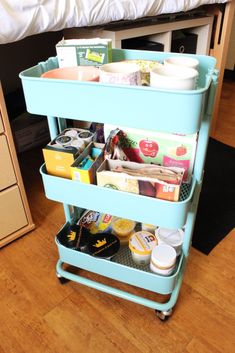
(22, 18)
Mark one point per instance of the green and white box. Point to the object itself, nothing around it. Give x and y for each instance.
(84, 52)
(153, 147)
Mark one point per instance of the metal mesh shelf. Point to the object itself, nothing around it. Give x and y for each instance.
(124, 257)
(184, 191)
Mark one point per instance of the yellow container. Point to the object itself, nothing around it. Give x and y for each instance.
(123, 229)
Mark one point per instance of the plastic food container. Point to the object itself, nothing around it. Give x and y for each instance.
(123, 228)
(172, 237)
(74, 237)
(163, 258)
(141, 244)
(103, 245)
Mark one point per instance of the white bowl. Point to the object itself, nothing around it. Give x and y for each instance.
(182, 61)
(173, 77)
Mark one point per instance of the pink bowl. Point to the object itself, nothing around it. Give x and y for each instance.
(79, 73)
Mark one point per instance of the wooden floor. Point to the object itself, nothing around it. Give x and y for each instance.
(38, 314)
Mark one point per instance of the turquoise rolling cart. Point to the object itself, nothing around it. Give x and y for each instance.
(184, 112)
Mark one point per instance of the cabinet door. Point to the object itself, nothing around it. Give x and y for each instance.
(7, 173)
(12, 213)
(1, 124)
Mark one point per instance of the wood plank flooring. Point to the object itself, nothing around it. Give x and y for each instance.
(38, 314)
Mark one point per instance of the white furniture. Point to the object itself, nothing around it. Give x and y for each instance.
(161, 33)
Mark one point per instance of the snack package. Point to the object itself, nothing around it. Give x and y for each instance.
(151, 147)
(143, 179)
(96, 222)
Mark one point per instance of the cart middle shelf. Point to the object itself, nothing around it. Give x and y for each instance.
(121, 204)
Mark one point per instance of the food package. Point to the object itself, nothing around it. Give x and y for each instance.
(146, 146)
(144, 179)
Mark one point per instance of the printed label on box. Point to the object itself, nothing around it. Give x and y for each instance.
(166, 149)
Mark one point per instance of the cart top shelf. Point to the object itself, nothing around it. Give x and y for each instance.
(135, 106)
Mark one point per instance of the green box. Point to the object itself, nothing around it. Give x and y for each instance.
(84, 52)
(153, 147)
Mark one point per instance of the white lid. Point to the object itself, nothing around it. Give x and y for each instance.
(173, 237)
(142, 242)
(163, 255)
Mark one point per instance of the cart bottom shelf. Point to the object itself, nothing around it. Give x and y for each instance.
(123, 269)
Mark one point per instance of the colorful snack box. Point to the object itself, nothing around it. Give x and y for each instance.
(166, 149)
(61, 152)
(148, 180)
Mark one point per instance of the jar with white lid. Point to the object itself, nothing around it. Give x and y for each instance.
(163, 259)
(172, 237)
(141, 244)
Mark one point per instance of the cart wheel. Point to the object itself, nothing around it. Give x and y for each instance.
(61, 279)
(163, 315)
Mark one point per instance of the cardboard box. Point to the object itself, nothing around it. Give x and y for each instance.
(59, 159)
(84, 52)
(87, 173)
(168, 150)
(29, 131)
(147, 186)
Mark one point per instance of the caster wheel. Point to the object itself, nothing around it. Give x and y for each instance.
(62, 280)
(163, 315)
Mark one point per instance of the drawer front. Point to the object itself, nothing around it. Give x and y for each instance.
(1, 124)
(12, 213)
(7, 175)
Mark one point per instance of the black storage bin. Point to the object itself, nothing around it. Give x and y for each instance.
(142, 44)
(184, 42)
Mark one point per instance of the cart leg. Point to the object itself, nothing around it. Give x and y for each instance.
(164, 315)
(62, 280)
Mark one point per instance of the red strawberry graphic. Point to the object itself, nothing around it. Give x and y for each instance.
(181, 150)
